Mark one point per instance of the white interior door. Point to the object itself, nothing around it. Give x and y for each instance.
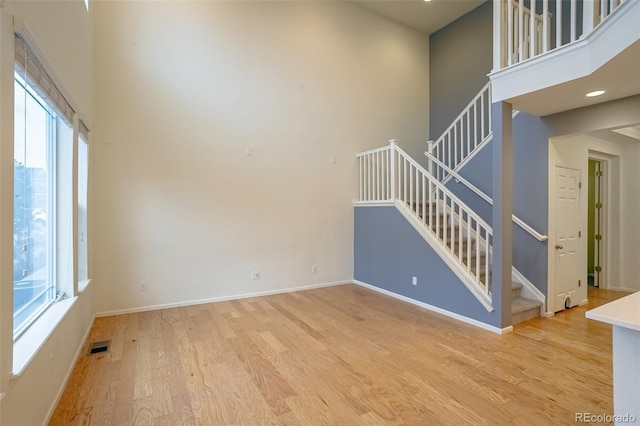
(567, 240)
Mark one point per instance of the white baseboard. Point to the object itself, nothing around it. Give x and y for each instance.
(68, 375)
(217, 299)
(436, 309)
(627, 289)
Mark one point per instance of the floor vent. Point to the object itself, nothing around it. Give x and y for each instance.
(98, 347)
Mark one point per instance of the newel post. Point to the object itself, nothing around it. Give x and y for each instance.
(392, 178)
(497, 34)
(430, 145)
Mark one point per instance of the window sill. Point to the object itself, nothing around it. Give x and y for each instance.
(28, 345)
(83, 284)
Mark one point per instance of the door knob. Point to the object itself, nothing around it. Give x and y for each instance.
(559, 247)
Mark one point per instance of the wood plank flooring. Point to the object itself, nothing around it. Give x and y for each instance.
(338, 355)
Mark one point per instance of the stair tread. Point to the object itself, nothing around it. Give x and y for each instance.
(515, 285)
(521, 304)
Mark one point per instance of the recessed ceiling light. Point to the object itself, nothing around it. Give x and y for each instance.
(595, 93)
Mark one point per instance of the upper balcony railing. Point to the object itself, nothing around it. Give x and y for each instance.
(524, 29)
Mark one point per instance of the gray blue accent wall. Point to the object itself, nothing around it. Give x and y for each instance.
(478, 171)
(460, 57)
(388, 252)
(530, 199)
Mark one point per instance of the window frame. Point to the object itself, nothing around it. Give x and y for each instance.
(82, 167)
(51, 258)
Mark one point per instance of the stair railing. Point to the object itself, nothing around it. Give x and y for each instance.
(388, 174)
(538, 236)
(525, 33)
(464, 135)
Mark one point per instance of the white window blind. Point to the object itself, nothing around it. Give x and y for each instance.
(36, 75)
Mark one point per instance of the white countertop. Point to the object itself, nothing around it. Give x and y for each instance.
(623, 312)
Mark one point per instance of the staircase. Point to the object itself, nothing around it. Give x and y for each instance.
(459, 143)
(522, 309)
(458, 234)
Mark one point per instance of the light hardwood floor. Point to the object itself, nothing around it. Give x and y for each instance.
(338, 355)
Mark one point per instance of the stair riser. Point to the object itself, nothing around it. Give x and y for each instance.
(525, 315)
(515, 292)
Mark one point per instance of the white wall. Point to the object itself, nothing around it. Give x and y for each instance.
(630, 217)
(63, 31)
(623, 204)
(183, 89)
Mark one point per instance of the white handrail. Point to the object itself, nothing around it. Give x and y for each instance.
(372, 151)
(459, 178)
(486, 198)
(530, 230)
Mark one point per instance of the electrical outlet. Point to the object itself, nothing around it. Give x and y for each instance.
(143, 286)
(414, 280)
(333, 159)
(314, 269)
(255, 275)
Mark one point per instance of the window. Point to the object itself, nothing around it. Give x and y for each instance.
(43, 208)
(34, 205)
(83, 175)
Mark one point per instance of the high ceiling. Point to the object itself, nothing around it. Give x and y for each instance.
(619, 77)
(424, 16)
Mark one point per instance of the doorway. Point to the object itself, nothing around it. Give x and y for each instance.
(566, 244)
(596, 208)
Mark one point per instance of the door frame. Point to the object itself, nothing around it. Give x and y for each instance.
(582, 255)
(604, 216)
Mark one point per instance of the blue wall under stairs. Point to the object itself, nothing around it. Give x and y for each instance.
(388, 252)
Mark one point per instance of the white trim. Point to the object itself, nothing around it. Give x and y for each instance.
(217, 299)
(373, 151)
(68, 375)
(445, 255)
(530, 289)
(357, 203)
(576, 60)
(440, 311)
(626, 289)
(28, 345)
(83, 284)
